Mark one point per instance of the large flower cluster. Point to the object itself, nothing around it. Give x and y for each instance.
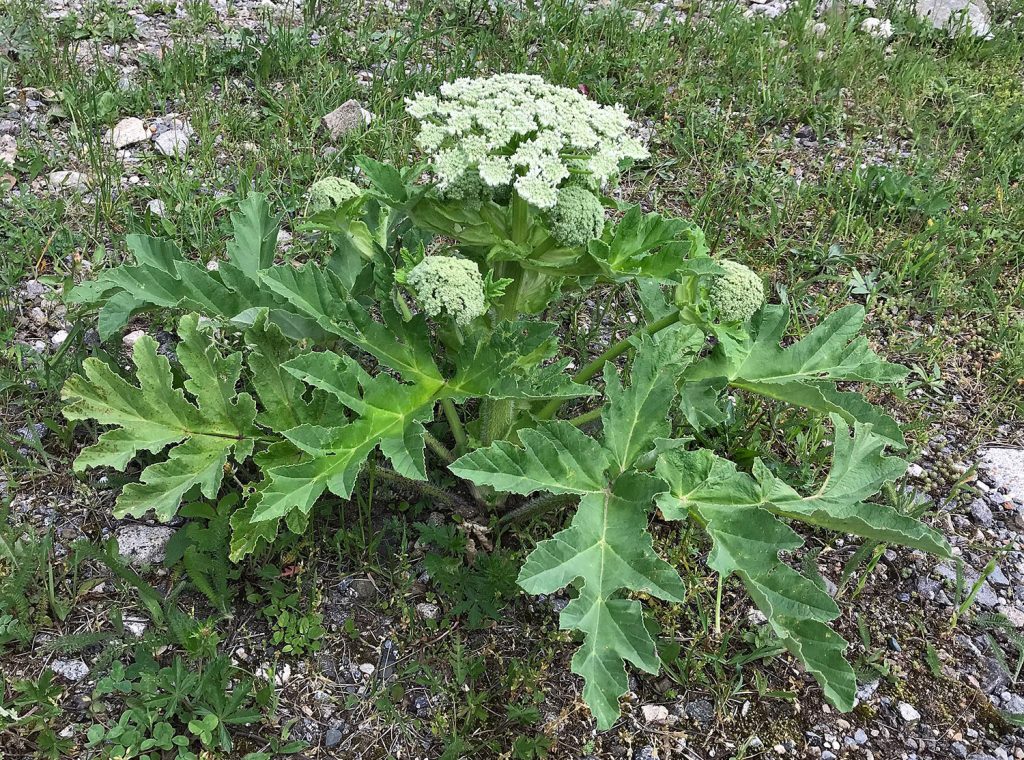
(518, 129)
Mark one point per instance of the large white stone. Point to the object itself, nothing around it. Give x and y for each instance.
(347, 118)
(143, 544)
(1004, 468)
(127, 132)
(8, 151)
(955, 14)
(68, 180)
(173, 143)
(70, 670)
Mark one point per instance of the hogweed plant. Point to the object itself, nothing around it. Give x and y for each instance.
(433, 324)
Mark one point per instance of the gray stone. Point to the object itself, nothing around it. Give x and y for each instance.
(1014, 614)
(8, 151)
(908, 712)
(981, 513)
(1014, 704)
(363, 588)
(76, 182)
(955, 14)
(332, 738)
(70, 670)
(428, 611)
(987, 597)
(347, 118)
(860, 736)
(700, 711)
(127, 132)
(143, 544)
(867, 691)
(998, 578)
(172, 143)
(156, 207)
(1005, 468)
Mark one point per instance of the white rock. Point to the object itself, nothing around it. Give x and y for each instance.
(136, 627)
(428, 611)
(655, 713)
(132, 338)
(909, 713)
(349, 117)
(367, 669)
(880, 28)
(129, 131)
(820, 29)
(143, 544)
(37, 315)
(956, 15)
(1014, 614)
(68, 180)
(212, 265)
(8, 151)
(1005, 469)
(156, 207)
(182, 125)
(284, 675)
(70, 670)
(172, 143)
(59, 337)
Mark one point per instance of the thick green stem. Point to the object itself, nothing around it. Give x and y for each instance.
(458, 431)
(495, 419)
(613, 351)
(520, 218)
(537, 506)
(586, 417)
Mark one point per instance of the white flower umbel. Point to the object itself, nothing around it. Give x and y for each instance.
(517, 128)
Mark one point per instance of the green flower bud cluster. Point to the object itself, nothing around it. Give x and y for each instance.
(330, 192)
(446, 284)
(576, 218)
(737, 293)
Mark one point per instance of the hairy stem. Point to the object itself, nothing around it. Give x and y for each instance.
(422, 486)
(495, 419)
(616, 349)
(537, 506)
(438, 448)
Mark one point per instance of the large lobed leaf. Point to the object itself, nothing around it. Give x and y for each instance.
(161, 277)
(804, 373)
(740, 513)
(606, 549)
(154, 415)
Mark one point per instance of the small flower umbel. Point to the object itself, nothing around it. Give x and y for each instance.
(518, 130)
